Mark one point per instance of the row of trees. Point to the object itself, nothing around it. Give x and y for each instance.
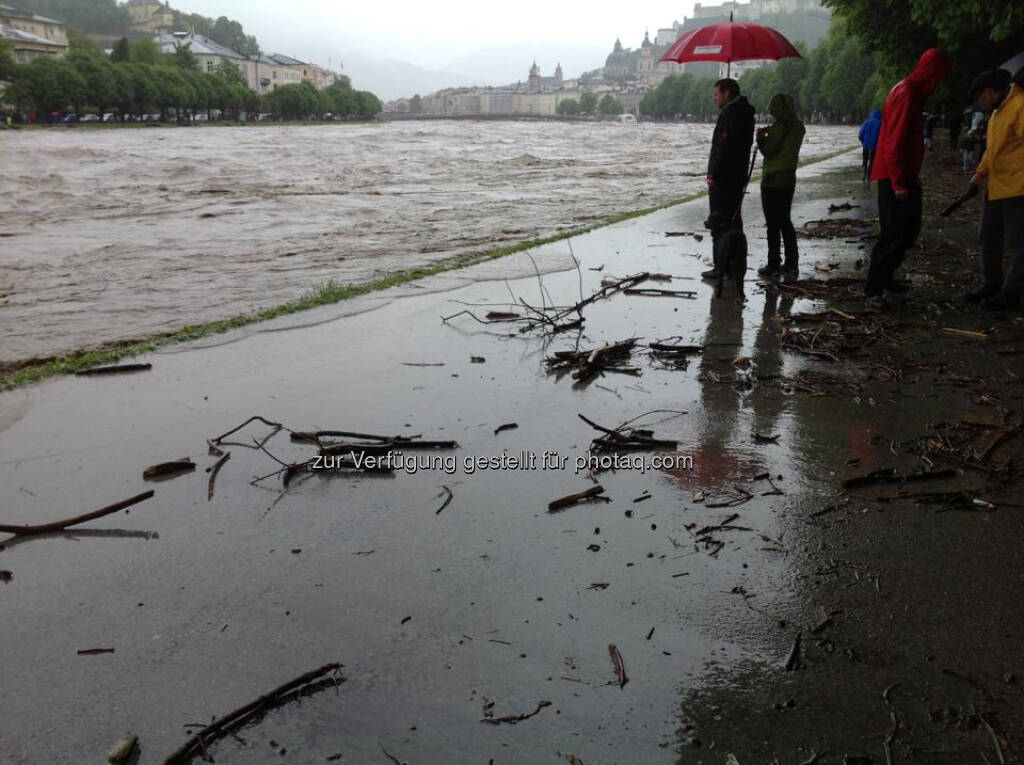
(838, 80)
(302, 101)
(870, 45)
(137, 79)
(589, 104)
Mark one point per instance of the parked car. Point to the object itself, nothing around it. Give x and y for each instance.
(89, 118)
(67, 119)
(110, 117)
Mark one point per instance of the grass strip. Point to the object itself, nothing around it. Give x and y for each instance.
(36, 370)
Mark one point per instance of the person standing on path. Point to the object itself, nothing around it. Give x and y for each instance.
(780, 144)
(897, 169)
(869, 141)
(1002, 218)
(728, 160)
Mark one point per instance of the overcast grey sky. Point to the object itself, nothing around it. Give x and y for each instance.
(431, 34)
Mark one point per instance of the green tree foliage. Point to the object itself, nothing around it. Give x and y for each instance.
(979, 34)
(88, 80)
(101, 82)
(183, 57)
(568, 106)
(680, 96)
(230, 72)
(47, 85)
(144, 51)
(295, 102)
(610, 105)
(588, 103)
(6, 59)
(79, 42)
(105, 17)
(122, 51)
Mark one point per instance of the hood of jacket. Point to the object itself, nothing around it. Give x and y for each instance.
(781, 107)
(932, 69)
(876, 114)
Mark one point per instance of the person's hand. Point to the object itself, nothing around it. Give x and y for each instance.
(710, 180)
(901, 193)
(976, 179)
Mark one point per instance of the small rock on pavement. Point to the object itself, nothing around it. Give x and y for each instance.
(122, 748)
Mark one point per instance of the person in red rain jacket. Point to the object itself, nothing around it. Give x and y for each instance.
(896, 168)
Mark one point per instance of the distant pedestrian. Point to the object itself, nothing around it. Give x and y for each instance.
(956, 123)
(869, 141)
(780, 144)
(1002, 165)
(727, 162)
(929, 130)
(897, 168)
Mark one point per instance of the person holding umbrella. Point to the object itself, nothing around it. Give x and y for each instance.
(780, 144)
(727, 162)
(1002, 165)
(897, 169)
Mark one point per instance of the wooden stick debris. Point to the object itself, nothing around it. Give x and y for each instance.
(669, 348)
(213, 474)
(93, 651)
(620, 440)
(620, 665)
(164, 469)
(793, 660)
(447, 500)
(965, 333)
(117, 369)
(889, 475)
(513, 719)
(506, 426)
(256, 418)
(220, 727)
(572, 499)
(46, 528)
(651, 292)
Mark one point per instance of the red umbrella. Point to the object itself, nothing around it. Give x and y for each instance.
(730, 41)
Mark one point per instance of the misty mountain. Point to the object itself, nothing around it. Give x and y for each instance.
(388, 79)
(511, 63)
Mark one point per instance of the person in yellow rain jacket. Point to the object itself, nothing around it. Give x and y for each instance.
(1002, 220)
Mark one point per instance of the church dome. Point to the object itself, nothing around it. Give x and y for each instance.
(618, 57)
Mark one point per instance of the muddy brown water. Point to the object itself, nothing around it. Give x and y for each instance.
(211, 603)
(118, 234)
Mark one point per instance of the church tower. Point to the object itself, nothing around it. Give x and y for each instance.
(558, 74)
(533, 81)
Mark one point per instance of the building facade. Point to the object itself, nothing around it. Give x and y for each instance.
(150, 16)
(32, 35)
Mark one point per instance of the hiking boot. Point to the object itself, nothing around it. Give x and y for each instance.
(772, 269)
(790, 269)
(1004, 301)
(980, 294)
(712, 273)
(900, 288)
(875, 303)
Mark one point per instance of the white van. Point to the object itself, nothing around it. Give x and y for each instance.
(627, 118)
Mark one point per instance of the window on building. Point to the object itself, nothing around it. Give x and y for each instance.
(209, 65)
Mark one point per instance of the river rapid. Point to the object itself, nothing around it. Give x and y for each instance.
(111, 235)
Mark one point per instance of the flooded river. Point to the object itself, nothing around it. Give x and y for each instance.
(111, 235)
